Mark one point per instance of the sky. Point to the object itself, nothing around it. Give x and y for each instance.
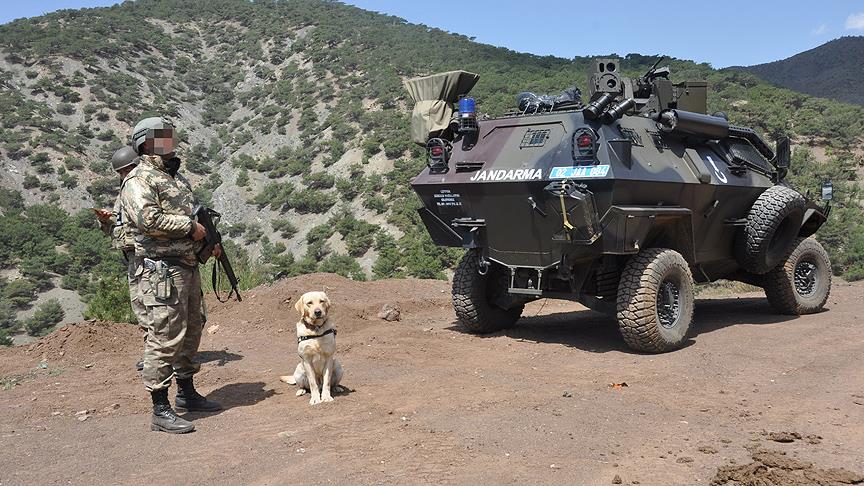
(734, 32)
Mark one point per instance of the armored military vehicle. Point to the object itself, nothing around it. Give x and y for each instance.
(623, 203)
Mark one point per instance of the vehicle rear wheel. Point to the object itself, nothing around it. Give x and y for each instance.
(772, 226)
(802, 283)
(477, 298)
(655, 301)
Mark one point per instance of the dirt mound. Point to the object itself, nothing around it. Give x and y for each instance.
(84, 339)
(774, 468)
(268, 307)
(272, 306)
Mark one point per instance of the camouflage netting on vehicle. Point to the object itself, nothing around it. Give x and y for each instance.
(433, 97)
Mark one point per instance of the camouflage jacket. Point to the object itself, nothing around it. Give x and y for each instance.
(122, 233)
(160, 208)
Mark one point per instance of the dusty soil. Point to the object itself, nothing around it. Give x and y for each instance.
(754, 398)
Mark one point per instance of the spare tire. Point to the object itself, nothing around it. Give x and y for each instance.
(771, 230)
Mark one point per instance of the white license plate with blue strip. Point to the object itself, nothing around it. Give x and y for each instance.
(581, 172)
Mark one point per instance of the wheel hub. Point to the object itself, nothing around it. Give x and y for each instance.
(805, 278)
(668, 304)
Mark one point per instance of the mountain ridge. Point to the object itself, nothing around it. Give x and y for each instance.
(831, 70)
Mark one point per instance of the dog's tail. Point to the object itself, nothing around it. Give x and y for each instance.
(288, 379)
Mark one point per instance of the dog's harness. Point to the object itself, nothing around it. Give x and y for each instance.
(300, 339)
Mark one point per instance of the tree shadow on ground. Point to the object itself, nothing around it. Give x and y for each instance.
(597, 333)
(221, 357)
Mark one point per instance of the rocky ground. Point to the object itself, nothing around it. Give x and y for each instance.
(754, 398)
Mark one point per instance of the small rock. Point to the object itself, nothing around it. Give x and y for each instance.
(83, 418)
(390, 313)
(285, 434)
(82, 412)
(616, 479)
(112, 407)
(553, 466)
(56, 413)
(784, 437)
(213, 329)
(88, 366)
(684, 460)
(566, 394)
(708, 450)
(814, 439)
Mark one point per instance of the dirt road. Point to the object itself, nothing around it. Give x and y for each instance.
(430, 404)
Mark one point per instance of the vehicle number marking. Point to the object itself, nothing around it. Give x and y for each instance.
(580, 172)
(717, 172)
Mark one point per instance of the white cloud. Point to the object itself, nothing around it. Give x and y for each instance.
(855, 21)
(819, 30)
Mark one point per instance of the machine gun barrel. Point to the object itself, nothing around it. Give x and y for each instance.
(205, 216)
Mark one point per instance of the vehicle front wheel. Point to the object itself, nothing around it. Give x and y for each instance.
(655, 301)
(477, 298)
(801, 284)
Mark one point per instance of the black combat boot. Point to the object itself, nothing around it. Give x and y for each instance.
(189, 400)
(164, 418)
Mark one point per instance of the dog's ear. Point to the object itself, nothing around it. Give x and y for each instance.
(299, 305)
(326, 300)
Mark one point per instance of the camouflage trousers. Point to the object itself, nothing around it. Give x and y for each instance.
(138, 308)
(173, 325)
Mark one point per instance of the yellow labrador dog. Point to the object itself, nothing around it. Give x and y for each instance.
(318, 371)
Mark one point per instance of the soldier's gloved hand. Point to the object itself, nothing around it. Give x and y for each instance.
(217, 250)
(199, 232)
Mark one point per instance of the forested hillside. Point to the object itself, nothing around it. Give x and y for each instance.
(294, 125)
(832, 70)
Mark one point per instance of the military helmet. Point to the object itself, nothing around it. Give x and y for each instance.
(146, 129)
(123, 157)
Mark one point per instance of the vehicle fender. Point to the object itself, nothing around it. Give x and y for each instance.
(628, 229)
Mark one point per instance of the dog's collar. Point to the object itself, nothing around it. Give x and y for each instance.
(300, 339)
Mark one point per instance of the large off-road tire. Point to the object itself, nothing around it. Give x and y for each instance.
(801, 284)
(772, 226)
(655, 300)
(475, 296)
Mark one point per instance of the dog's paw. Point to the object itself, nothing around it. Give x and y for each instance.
(339, 389)
(314, 400)
(288, 379)
(301, 392)
(327, 398)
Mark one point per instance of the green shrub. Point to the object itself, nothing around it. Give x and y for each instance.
(318, 180)
(30, 181)
(73, 163)
(284, 227)
(311, 201)
(110, 301)
(65, 109)
(242, 178)
(343, 265)
(49, 314)
(8, 319)
(5, 340)
(19, 293)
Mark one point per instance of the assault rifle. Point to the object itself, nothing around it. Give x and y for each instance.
(205, 217)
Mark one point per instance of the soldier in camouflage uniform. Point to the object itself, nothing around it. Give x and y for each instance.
(160, 203)
(123, 234)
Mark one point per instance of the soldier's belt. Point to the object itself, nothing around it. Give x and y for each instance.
(150, 263)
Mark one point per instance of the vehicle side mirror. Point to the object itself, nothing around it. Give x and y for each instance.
(783, 156)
